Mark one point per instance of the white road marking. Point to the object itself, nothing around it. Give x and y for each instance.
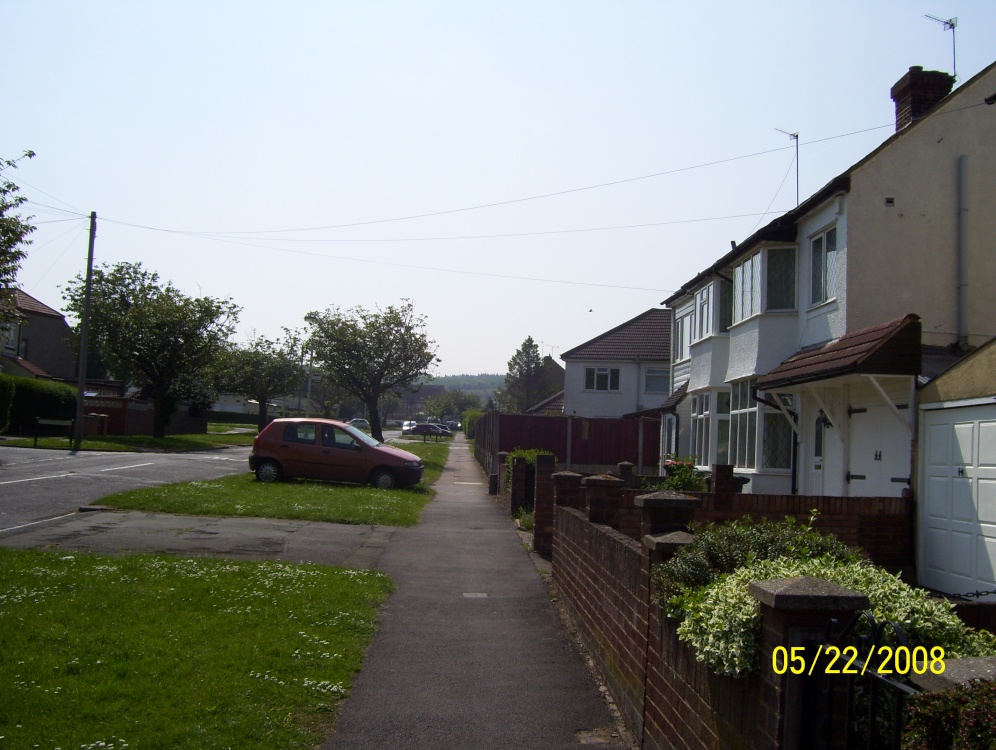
(34, 523)
(35, 479)
(122, 468)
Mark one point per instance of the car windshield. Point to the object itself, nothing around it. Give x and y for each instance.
(362, 437)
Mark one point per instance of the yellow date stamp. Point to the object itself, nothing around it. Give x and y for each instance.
(899, 660)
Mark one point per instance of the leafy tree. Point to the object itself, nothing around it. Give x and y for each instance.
(263, 369)
(14, 230)
(372, 353)
(530, 379)
(451, 403)
(149, 333)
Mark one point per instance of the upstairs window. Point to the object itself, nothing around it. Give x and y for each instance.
(601, 378)
(781, 279)
(657, 380)
(683, 337)
(824, 266)
(703, 313)
(747, 288)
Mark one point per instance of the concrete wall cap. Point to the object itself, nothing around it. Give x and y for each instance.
(807, 593)
(601, 480)
(671, 542)
(568, 474)
(667, 499)
(958, 672)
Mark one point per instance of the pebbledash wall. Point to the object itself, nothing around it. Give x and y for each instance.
(604, 540)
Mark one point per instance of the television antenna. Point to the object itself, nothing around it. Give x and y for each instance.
(949, 25)
(794, 137)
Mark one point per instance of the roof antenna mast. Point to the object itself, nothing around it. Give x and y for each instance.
(949, 25)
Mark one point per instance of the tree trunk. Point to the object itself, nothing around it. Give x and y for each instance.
(375, 427)
(261, 418)
(163, 405)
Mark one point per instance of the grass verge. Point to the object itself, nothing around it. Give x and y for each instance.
(161, 652)
(168, 444)
(242, 495)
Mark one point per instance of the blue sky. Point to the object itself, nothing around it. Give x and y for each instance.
(567, 164)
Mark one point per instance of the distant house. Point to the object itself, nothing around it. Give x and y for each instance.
(39, 343)
(621, 371)
(551, 406)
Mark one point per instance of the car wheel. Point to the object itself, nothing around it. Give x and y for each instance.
(268, 471)
(383, 479)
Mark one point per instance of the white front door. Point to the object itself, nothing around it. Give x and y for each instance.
(880, 454)
(957, 509)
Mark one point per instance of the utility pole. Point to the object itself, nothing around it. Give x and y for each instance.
(84, 336)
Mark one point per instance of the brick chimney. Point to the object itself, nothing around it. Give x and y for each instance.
(917, 91)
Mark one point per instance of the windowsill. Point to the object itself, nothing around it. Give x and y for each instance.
(766, 314)
(818, 308)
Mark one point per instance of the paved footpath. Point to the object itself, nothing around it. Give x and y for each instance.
(470, 652)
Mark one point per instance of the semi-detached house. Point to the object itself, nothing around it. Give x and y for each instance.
(797, 355)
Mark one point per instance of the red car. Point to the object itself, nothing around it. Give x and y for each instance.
(327, 449)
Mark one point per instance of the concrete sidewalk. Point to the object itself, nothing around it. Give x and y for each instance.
(470, 651)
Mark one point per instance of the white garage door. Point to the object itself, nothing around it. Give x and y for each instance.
(957, 508)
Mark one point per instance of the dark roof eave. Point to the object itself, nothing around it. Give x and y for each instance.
(782, 229)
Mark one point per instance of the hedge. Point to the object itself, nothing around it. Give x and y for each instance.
(34, 399)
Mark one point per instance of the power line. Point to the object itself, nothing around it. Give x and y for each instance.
(221, 236)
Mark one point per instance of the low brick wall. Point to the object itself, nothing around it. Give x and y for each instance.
(604, 581)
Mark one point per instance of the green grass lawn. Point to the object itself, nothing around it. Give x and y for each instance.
(243, 495)
(171, 653)
(170, 443)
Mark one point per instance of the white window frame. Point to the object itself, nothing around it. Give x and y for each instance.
(601, 376)
(747, 288)
(701, 424)
(823, 266)
(743, 426)
(703, 312)
(683, 326)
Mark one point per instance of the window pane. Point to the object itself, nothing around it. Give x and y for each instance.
(781, 279)
(751, 439)
(723, 402)
(614, 379)
(657, 381)
(776, 447)
(725, 306)
(589, 378)
(817, 270)
(723, 442)
(830, 252)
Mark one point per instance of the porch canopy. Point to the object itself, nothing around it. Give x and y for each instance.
(891, 348)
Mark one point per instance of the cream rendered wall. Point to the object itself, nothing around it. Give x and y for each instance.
(901, 257)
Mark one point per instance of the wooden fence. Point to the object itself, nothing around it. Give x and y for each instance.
(579, 444)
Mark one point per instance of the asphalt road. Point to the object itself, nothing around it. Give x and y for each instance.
(36, 484)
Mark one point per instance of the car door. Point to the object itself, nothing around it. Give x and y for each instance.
(301, 455)
(343, 457)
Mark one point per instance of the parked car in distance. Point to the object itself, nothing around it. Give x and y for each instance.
(453, 426)
(427, 428)
(360, 423)
(331, 450)
(443, 429)
(407, 426)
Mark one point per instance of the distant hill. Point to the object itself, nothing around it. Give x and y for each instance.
(483, 385)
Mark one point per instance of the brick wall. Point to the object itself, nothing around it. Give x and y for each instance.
(603, 578)
(881, 526)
